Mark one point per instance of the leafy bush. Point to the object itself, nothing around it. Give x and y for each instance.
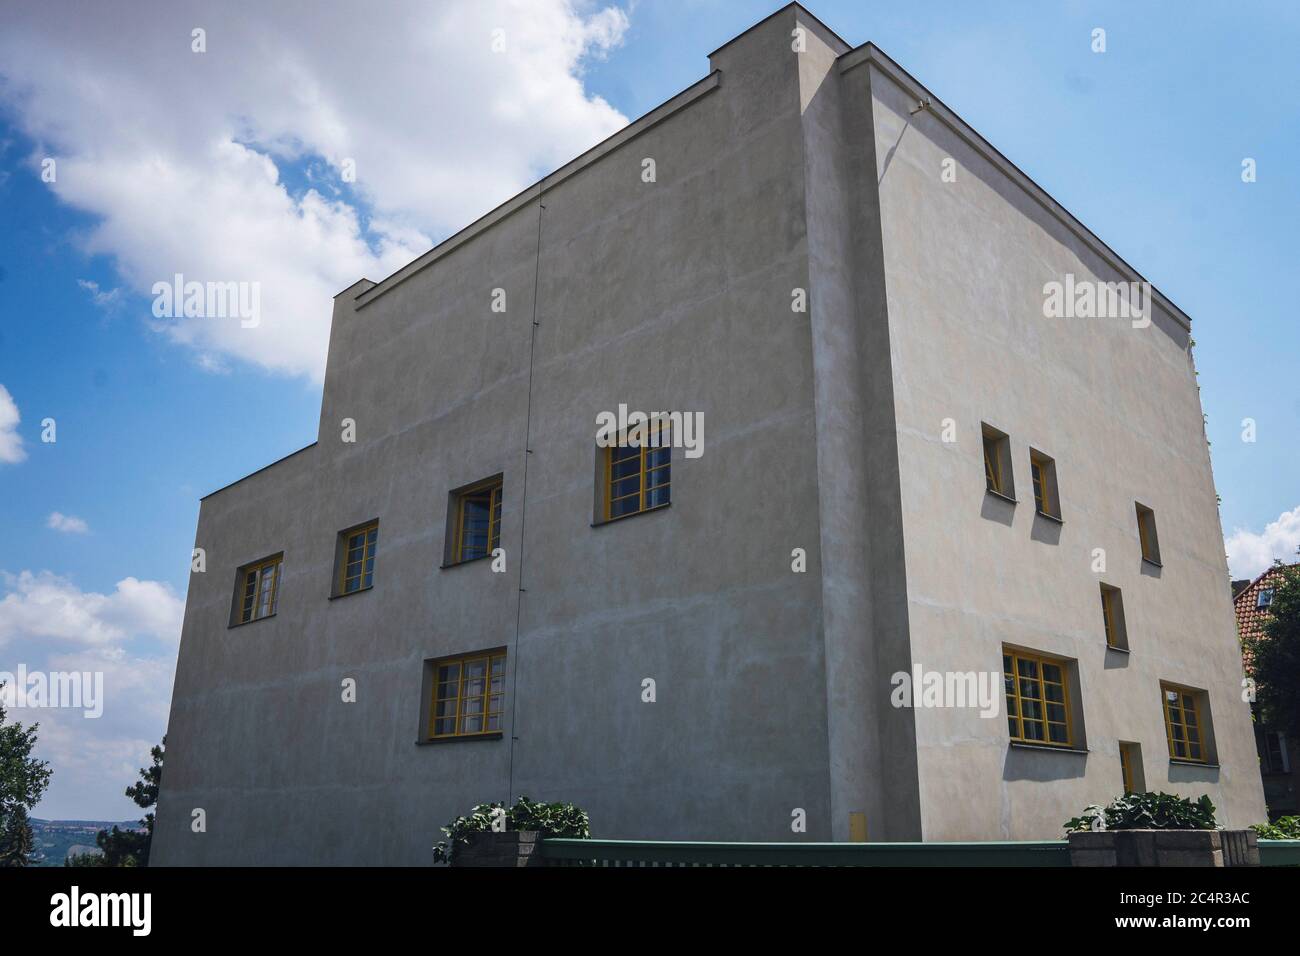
(551, 819)
(1283, 828)
(1147, 811)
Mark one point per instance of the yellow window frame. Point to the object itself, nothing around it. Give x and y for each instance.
(251, 579)
(1177, 729)
(1144, 516)
(368, 548)
(493, 488)
(1016, 698)
(493, 669)
(645, 470)
(1041, 479)
(1108, 615)
(1126, 767)
(992, 464)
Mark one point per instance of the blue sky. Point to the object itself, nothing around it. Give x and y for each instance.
(1144, 143)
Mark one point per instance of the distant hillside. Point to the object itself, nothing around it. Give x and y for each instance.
(54, 838)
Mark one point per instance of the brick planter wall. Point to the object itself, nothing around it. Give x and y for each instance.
(1165, 848)
(512, 848)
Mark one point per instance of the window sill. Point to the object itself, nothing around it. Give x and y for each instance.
(1118, 650)
(634, 514)
(1000, 495)
(460, 738)
(343, 594)
(1154, 564)
(264, 617)
(1020, 745)
(457, 564)
(1183, 762)
(1049, 516)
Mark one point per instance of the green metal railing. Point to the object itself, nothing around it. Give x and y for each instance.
(656, 853)
(563, 852)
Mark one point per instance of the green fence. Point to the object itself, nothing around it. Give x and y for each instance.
(655, 853)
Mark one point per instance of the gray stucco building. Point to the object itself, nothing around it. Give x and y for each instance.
(848, 285)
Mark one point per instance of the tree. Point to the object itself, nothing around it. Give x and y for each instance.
(1275, 656)
(23, 780)
(131, 847)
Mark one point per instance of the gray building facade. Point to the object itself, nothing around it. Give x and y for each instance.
(906, 466)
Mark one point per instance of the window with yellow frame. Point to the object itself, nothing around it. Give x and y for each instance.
(468, 695)
(1038, 702)
(357, 561)
(637, 475)
(1183, 726)
(259, 589)
(997, 461)
(1112, 616)
(1042, 472)
(477, 531)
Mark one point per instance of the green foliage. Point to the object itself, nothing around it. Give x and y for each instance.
(1275, 656)
(130, 847)
(23, 780)
(1283, 828)
(1147, 811)
(551, 819)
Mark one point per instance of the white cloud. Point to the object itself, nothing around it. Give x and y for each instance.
(105, 300)
(130, 637)
(68, 524)
(11, 443)
(1249, 554)
(181, 154)
(44, 605)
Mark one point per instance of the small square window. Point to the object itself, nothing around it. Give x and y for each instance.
(465, 695)
(637, 473)
(474, 521)
(1186, 722)
(1037, 692)
(257, 590)
(355, 559)
(998, 478)
(1112, 616)
(1264, 598)
(1146, 519)
(1042, 471)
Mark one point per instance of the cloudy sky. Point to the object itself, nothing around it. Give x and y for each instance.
(311, 144)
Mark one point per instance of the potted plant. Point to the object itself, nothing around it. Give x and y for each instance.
(1157, 829)
(496, 835)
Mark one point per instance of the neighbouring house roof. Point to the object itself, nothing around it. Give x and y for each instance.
(1250, 618)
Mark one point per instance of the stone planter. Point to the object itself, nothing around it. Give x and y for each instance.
(511, 848)
(1164, 848)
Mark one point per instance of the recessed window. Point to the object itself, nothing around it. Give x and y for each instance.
(1272, 752)
(997, 462)
(1264, 598)
(1038, 703)
(1130, 763)
(257, 590)
(468, 695)
(1042, 470)
(637, 475)
(356, 560)
(476, 521)
(1184, 722)
(1147, 534)
(1112, 616)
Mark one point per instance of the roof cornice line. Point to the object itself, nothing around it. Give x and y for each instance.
(870, 53)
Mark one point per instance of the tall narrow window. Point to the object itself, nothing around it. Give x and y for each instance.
(1147, 534)
(1112, 616)
(468, 695)
(357, 558)
(997, 462)
(1183, 726)
(1042, 470)
(477, 530)
(637, 476)
(1038, 706)
(1130, 762)
(259, 588)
